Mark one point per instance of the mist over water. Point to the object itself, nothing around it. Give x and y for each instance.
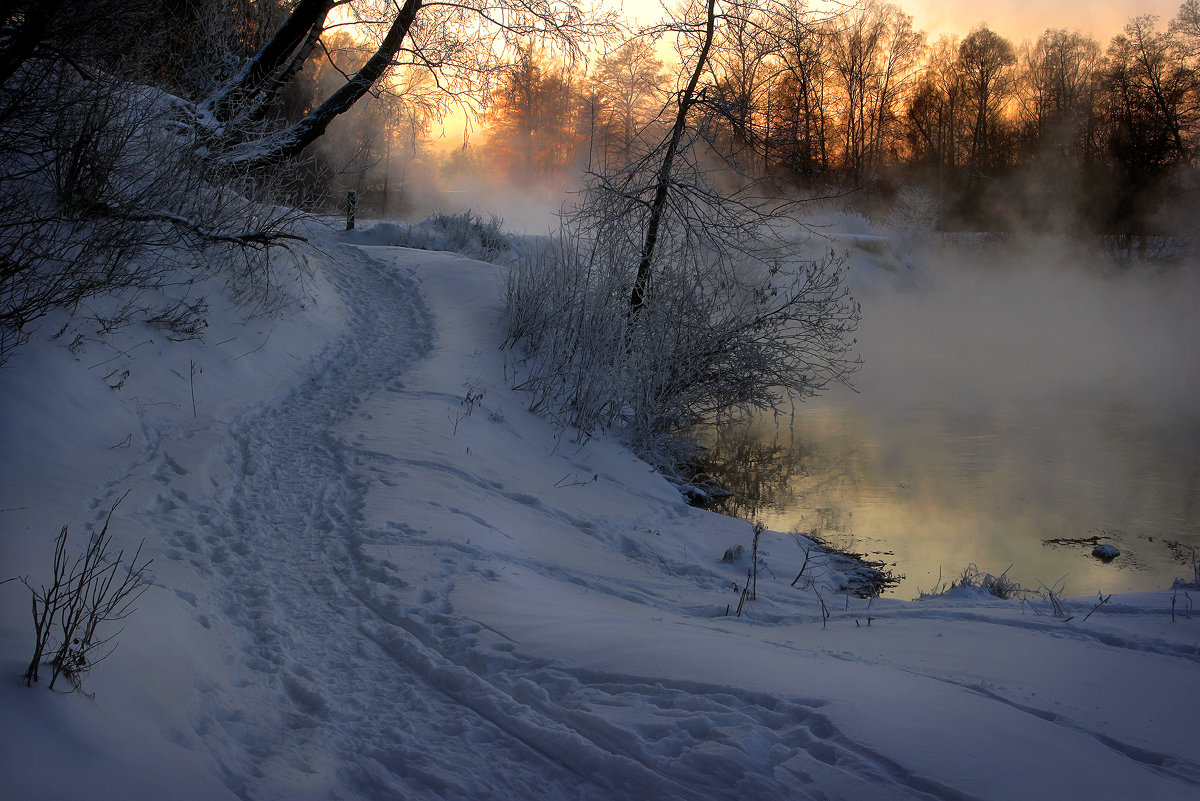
(1010, 395)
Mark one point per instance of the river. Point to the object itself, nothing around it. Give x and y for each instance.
(1010, 412)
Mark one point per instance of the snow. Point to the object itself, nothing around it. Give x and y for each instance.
(378, 575)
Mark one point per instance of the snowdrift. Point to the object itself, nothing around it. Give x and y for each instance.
(377, 575)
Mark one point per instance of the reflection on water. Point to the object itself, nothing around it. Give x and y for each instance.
(1009, 396)
(937, 486)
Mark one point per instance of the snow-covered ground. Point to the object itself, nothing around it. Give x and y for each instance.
(377, 575)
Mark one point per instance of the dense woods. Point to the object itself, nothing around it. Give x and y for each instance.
(1059, 133)
(999, 131)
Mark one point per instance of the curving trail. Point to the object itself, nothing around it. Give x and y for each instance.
(362, 706)
(401, 579)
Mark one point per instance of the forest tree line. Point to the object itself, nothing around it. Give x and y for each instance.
(1060, 131)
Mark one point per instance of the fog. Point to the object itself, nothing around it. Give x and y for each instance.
(1046, 321)
(1013, 392)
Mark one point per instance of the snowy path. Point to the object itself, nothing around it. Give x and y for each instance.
(364, 706)
(378, 688)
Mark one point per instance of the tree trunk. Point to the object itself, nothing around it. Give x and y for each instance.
(642, 281)
(270, 61)
(291, 142)
(281, 79)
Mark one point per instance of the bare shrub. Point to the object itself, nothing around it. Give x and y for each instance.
(972, 578)
(1195, 582)
(1053, 594)
(82, 594)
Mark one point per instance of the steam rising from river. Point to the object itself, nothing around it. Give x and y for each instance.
(1013, 392)
(1045, 322)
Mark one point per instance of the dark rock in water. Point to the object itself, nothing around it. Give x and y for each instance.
(1105, 553)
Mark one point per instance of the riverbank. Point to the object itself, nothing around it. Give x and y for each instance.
(376, 574)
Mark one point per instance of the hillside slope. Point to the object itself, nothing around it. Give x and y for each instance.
(377, 575)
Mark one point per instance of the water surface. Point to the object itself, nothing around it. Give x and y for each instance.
(1002, 406)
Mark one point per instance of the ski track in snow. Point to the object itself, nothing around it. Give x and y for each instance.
(383, 690)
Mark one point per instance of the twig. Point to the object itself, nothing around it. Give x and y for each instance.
(192, 382)
(759, 527)
(562, 482)
(260, 347)
(1103, 601)
(745, 592)
(120, 352)
(803, 567)
(666, 566)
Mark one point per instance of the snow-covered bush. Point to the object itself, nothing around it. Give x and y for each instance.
(107, 194)
(465, 232)
(470, 234)
(912, 219)
(974, 581)
(712, 340)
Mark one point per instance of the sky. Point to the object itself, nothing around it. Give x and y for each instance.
(1020, 19)
(1016, 19)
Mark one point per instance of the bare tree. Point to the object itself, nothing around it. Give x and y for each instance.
(985, 61)
(801, 131)
(743, 66)
(662, 182)
(630, 87)
(1060, 86)
(672, 298)
(936, 122)
(1150, 109)
(461, 43)
(875, 53)
(530, 116)
(1152, 96)
(1186, 25)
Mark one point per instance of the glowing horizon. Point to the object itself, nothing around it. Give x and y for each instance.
(1014, 19)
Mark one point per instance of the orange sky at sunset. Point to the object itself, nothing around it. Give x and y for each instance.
(1016, 19)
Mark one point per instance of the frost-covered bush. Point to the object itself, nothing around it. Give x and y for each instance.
(108, 194)
(465, 232)
(973, 581)
(470, 234)
(912, 219)
(712, 340)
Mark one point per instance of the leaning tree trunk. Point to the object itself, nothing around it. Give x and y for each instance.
(266, 98)
(663, 182)
(292, 141)
(271, 60)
